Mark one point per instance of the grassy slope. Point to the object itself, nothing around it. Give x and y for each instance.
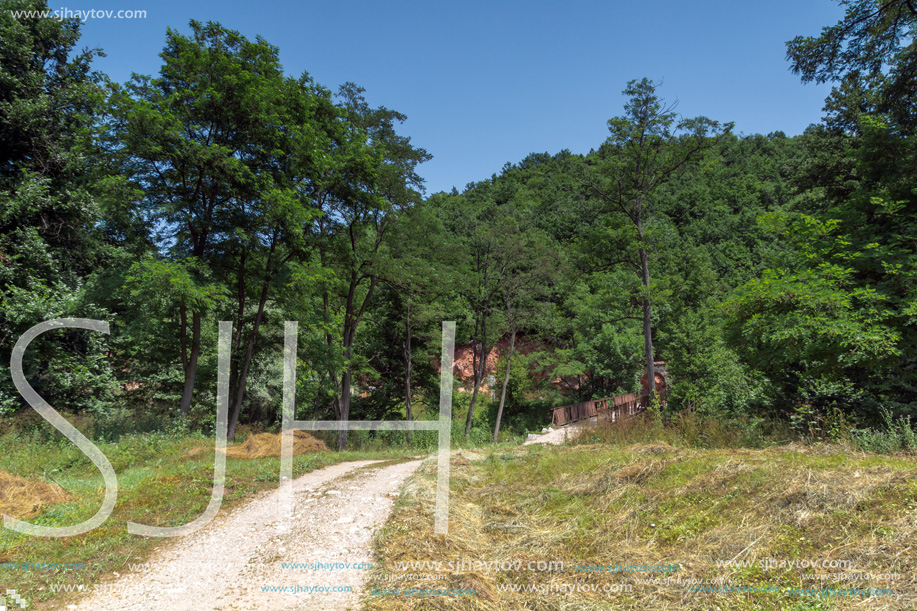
(651, 504)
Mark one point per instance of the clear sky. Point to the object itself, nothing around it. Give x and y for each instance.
(485, 83)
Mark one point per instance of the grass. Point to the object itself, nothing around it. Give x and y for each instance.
(164, 479)
(691, 429)
(690, 501)
(159, 484)
(688, 492)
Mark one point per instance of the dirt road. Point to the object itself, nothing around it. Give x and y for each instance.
(238, 561)
(557, 436)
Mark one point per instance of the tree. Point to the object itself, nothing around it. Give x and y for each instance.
(872, 53)
(831, 322)
(817, 331)
(187, 139)
(711, 243)
(525, 273)
(418, 276)
(373, 172)
(645, 148)
(225, 149)
(469, 218)
(273, 228)
(53, 217)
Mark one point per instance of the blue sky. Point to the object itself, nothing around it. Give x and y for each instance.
(485, 83)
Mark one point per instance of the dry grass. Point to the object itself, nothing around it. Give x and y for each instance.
(264, 445)
(267, 444)
(23, 498)
(655, 504)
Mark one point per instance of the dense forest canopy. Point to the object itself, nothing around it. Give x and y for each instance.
(774, 276)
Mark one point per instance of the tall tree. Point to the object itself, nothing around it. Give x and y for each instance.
(831, 324)
(468, 218)
(645, 148)
(222, 145)
(187, 138)
(272, 229)
(417, 270)
(373, 173)
(480, 292)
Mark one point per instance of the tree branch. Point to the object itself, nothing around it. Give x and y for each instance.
(608, 198)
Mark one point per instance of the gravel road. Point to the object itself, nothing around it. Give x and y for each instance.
(557, 436)
(237, 561)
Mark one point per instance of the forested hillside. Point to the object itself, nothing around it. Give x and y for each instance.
(774, 275)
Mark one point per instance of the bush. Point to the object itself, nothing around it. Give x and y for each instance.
(899, 435)
(688, 428)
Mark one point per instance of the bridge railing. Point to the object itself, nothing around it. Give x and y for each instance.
(609, 408)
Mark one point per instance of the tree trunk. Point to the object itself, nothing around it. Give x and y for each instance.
(199, 241)
(240, 297)
(241, 288)
(332, 372)
(329, 339)
(407, 370)
(183, 331)
(647, 324)
(318, 400)
(478, 375)
(336, 401)
(191, 368)
(344, 400)
(243, 375)
(346, 377)
(509, 357)
(352, 318)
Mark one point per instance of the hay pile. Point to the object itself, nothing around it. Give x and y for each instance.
(22, 498)
(267, 444)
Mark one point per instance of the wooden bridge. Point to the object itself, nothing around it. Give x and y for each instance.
(609, 408)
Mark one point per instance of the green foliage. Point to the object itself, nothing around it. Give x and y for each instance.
(51, 219)
(164, 282)
(831, 325)
(814, 317)
(898, 435)
(783, 269)
(870, 51)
